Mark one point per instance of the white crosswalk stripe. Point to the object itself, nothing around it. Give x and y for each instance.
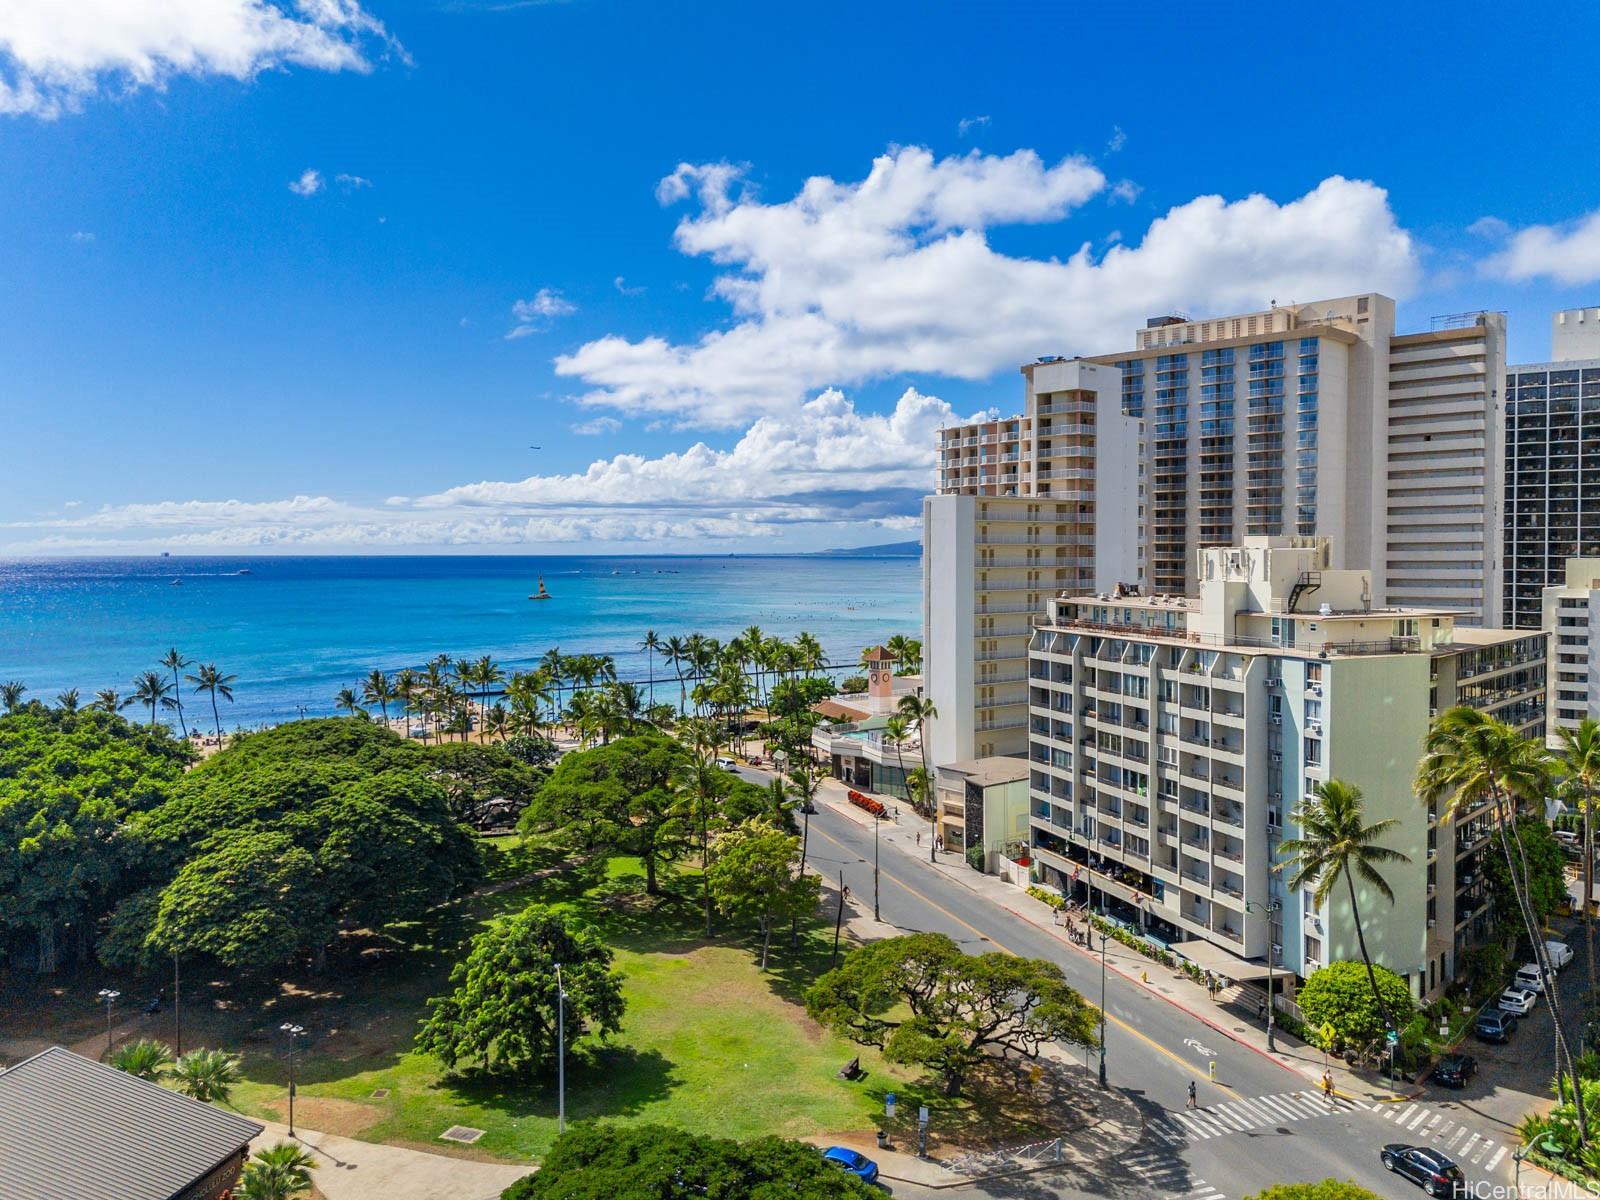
(1432, 1127)
(1165, 1175)
(1249, 1113)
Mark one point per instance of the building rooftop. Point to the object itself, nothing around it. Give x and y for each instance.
(70, 1126)
(987, 772)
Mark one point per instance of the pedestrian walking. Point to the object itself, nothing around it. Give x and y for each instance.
(1327, 1085)
(919, 837)
(1192, 1102)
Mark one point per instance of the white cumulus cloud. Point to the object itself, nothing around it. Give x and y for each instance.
(824, 465)
(1567, 253)
(894, 274)
(309, 183)
(56, 54)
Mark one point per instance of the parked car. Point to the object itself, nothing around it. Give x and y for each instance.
(1428, 1168)
(1529, 978)
(1560, 954)
(1494, 1025)
(859, 1165)
(1454, 1070)
(727, 764)
(1518, 1000)
(1567, 837)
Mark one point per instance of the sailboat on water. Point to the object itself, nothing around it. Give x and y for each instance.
(541, 594)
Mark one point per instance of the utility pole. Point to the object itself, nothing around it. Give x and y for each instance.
(561, 1054)
(1103, 940)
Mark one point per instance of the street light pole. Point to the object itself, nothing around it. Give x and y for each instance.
(1103, 940)
(876, 821)
(1269, 909)
(177, 1008)
(293, 1031)
(109, 995)
(561, 1053)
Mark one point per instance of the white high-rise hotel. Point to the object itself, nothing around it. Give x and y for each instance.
(1301, 419)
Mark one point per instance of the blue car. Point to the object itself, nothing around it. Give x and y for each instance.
(859, 1165)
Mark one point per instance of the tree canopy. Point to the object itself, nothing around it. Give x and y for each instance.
(1324, 1189)
(271, 847)
(1339, 995)
(753, 873)
(925, 1002)
(606, 1162)
(68, 782)
(503, 1010)
(1547, 880)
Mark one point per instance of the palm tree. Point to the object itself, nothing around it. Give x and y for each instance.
(677, 654)
(1580, 750)
(175, 663)
(897, 728)
(497, 721)
(809, 650)
(922, 711)
(701, 783)
(108, 700)
(751, 644)
(209, 678)
(378, 690)
(67, 701)
(207, 1075)
(466, 673)
(144, 1059)
(555, 669)
(650, 643)
(348, 701)
(153, 689)
(281, 1172)
(405, 691)
(1335, 844)
(486, 672)
(11, 694)
(1471, 760)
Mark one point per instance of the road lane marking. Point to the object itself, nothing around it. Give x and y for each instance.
(1187, 1066)
(1495, 1161)
(1421, 1116)
(1466, 1146)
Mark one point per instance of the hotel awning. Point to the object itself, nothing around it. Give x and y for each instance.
(1213, 958)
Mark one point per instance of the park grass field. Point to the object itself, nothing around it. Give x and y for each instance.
(708, 1043)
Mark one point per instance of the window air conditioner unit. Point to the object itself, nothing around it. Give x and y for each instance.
(1431, 922)
(1277, 719)
(1276, 757)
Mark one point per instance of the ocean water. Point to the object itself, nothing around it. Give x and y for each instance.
(296, 630)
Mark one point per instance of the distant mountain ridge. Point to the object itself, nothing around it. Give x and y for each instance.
(884, 550)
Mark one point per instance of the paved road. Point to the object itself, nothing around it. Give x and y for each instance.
(1258, 1124)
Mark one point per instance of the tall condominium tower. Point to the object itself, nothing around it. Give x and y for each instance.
(1552, 464)
(1298, 420)
(1027, 507)
(1571, 618)
(1318, 419)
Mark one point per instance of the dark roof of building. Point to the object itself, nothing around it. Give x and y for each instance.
(70, 1126)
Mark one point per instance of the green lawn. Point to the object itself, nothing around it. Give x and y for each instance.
(709, 1043)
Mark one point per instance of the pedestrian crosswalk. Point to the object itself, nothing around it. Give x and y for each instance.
(1160, 1174)
(1247, 1115)
(1425, 1125)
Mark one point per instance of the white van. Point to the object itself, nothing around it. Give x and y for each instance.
(1529, 978)
(1560, 954)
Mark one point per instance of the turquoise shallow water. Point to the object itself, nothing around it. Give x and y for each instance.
(296, 630)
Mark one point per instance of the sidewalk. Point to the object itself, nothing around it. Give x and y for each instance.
(352, 1170)
(1177, 989)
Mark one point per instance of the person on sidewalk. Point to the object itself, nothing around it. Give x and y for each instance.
(919, 837)
(1327, 1085)
(1192, 1103)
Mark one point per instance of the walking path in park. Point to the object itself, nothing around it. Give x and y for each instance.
(352, 1170)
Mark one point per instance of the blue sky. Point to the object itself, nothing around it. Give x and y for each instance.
(576, 226)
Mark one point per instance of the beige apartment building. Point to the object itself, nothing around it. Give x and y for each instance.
(1310, 419)
(1028, 507)
(1171, 739)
